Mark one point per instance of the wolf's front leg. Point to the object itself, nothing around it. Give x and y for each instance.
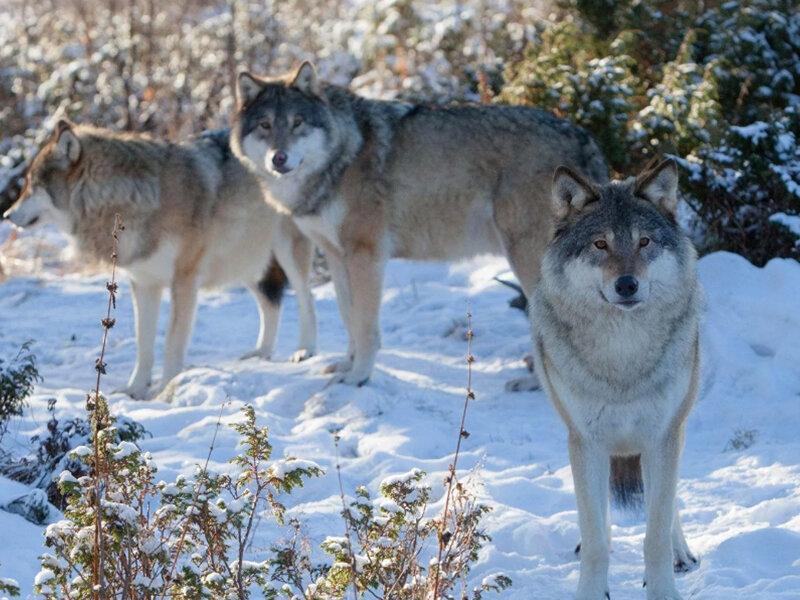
(181, 320)
(365, 282)
(590, 471)
(343, 300)
(660, 474)
(146, 302)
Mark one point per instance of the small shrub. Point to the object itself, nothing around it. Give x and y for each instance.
(9, 586)
(17, 379)
(394, 549)
(184, 539)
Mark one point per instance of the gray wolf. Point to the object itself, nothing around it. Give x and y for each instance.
(615, 324)
(194, 217)
(371, 180)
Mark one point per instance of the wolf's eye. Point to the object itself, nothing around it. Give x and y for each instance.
(265, 125)
(601, 244)
(644, 241)
(298, 120)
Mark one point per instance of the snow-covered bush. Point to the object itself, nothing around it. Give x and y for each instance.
(17, 378)
(393, 549)
(719, 90)
(184, 539)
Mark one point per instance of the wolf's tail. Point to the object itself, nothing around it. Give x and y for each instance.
(273, 282)
(627, 489)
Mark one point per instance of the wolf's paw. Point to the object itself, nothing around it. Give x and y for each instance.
(684, 561)
(136, 390)
(523, 384)
(256, 353)
(349, 378)
(338, 366)
(302, 354)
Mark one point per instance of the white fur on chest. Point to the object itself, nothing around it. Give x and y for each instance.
(323, 228)
(622, 425)
(158, 267)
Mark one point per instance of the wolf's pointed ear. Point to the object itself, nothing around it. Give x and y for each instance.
(571, 192)
(247, 88)
(660, 186)
(306, 79)
(68, 146)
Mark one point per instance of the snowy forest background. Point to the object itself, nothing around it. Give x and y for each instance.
(714, 84)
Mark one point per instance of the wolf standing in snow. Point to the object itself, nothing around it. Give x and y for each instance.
(194, 217)
(370, 180)
(615, 322)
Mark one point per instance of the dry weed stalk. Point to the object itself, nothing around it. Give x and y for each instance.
(444, 535)
(350, 552)
(98, 410)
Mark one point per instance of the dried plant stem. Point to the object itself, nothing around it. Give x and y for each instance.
(344, 515)
(100, 422)
(462, 434)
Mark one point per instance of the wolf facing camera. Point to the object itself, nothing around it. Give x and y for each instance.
(615, 324)
(370, 180)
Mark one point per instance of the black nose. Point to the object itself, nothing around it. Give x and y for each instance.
(626, 286)
(279, 158)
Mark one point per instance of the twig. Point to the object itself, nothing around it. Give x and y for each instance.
(98, 562)
(462, 434)
(197, 491)
(344, 514)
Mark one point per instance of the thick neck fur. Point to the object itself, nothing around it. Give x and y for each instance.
(620, 350)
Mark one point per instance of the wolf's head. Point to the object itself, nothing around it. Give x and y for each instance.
(617, 244)
(44, 196)
(281, 128)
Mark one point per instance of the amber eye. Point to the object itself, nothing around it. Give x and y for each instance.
(643, 242)
(265, 125)
(298, 120)
(601, 244)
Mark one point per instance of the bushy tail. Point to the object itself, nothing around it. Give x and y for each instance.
(272, 282)
(627, 489)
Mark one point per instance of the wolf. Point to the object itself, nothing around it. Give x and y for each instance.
(370, 180)
(615, 325)
(193, 216)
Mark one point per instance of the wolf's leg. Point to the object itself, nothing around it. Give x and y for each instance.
(660, 474)
(590, 470)
(343, 299)
(181, 320)
(295, 253)
(684, 560)
(524, 257)
(268, 293)
(364, 272)
(146, 302)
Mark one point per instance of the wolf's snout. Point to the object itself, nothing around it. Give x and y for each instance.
(626, 286)
(279, 158)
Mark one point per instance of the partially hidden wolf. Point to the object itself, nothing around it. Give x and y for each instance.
(371, 180)
(615, 323)
(193, 216)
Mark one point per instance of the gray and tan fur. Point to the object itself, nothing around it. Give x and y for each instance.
(194, 217)
(615, 323)
(371, 180)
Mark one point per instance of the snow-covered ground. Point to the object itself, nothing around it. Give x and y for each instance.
(740, 508)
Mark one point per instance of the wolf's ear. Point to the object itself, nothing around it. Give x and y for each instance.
(660, 186)
(68, 146)
(571, 192)
(247, 88)
(306, 79)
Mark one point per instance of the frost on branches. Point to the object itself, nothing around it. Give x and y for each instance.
(184, 539)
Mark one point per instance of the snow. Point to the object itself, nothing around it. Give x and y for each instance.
(739, 490)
